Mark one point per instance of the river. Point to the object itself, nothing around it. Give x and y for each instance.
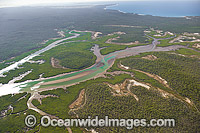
(102, 64)
(50, 46)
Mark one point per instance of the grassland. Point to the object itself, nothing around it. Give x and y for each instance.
(185, 51)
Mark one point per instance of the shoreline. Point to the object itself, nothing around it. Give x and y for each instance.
(151, 47)
(143, 14)
(31, 56)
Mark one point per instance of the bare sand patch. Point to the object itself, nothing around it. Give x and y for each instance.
(182, 38)
(196, 45)
(35, 95)
(164, 93)
(110, 41)
(156, 77)
(136, 83)
(123, 67)
(125, 26)
(78, 101)
(94, 33)
(55, 63)
(150, 57)
(123, 89)
(68, 79)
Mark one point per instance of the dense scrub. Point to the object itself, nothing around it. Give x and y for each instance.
(71, 55)
(100, 102)
(30, 30)
(80, 58)
(75, 60)
(182, 73)
(7, 100)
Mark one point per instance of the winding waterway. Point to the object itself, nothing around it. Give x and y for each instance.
(50, 46)
(102, 64)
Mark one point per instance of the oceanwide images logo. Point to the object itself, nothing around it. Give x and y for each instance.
(46, 121)
(30, 121)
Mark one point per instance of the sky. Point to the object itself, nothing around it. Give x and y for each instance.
(15, 3)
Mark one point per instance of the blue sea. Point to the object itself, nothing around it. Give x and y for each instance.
(159, 8)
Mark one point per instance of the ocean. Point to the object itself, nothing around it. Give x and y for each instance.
(159, 8)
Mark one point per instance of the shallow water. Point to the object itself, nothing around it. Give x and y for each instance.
(18, 63)
(94, 70)
(63, 80)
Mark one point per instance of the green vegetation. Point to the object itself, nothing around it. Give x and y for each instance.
(35, 102)
(152, 33)
(166, 36)
(20, 105)
(59, 106)
(185, 51)
(181, 73)
(18, 41)
(17, 58)
(84, 36)
(23, 55)
(101, 102)
(7, 100)
(82, 58)
(71, 55)
(132, 34)
(54, 106)
(151, 104)
(109, 48)
(165, 43)
(15, 122)
(75, 60)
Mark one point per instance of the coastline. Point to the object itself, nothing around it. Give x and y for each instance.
(109, 7)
